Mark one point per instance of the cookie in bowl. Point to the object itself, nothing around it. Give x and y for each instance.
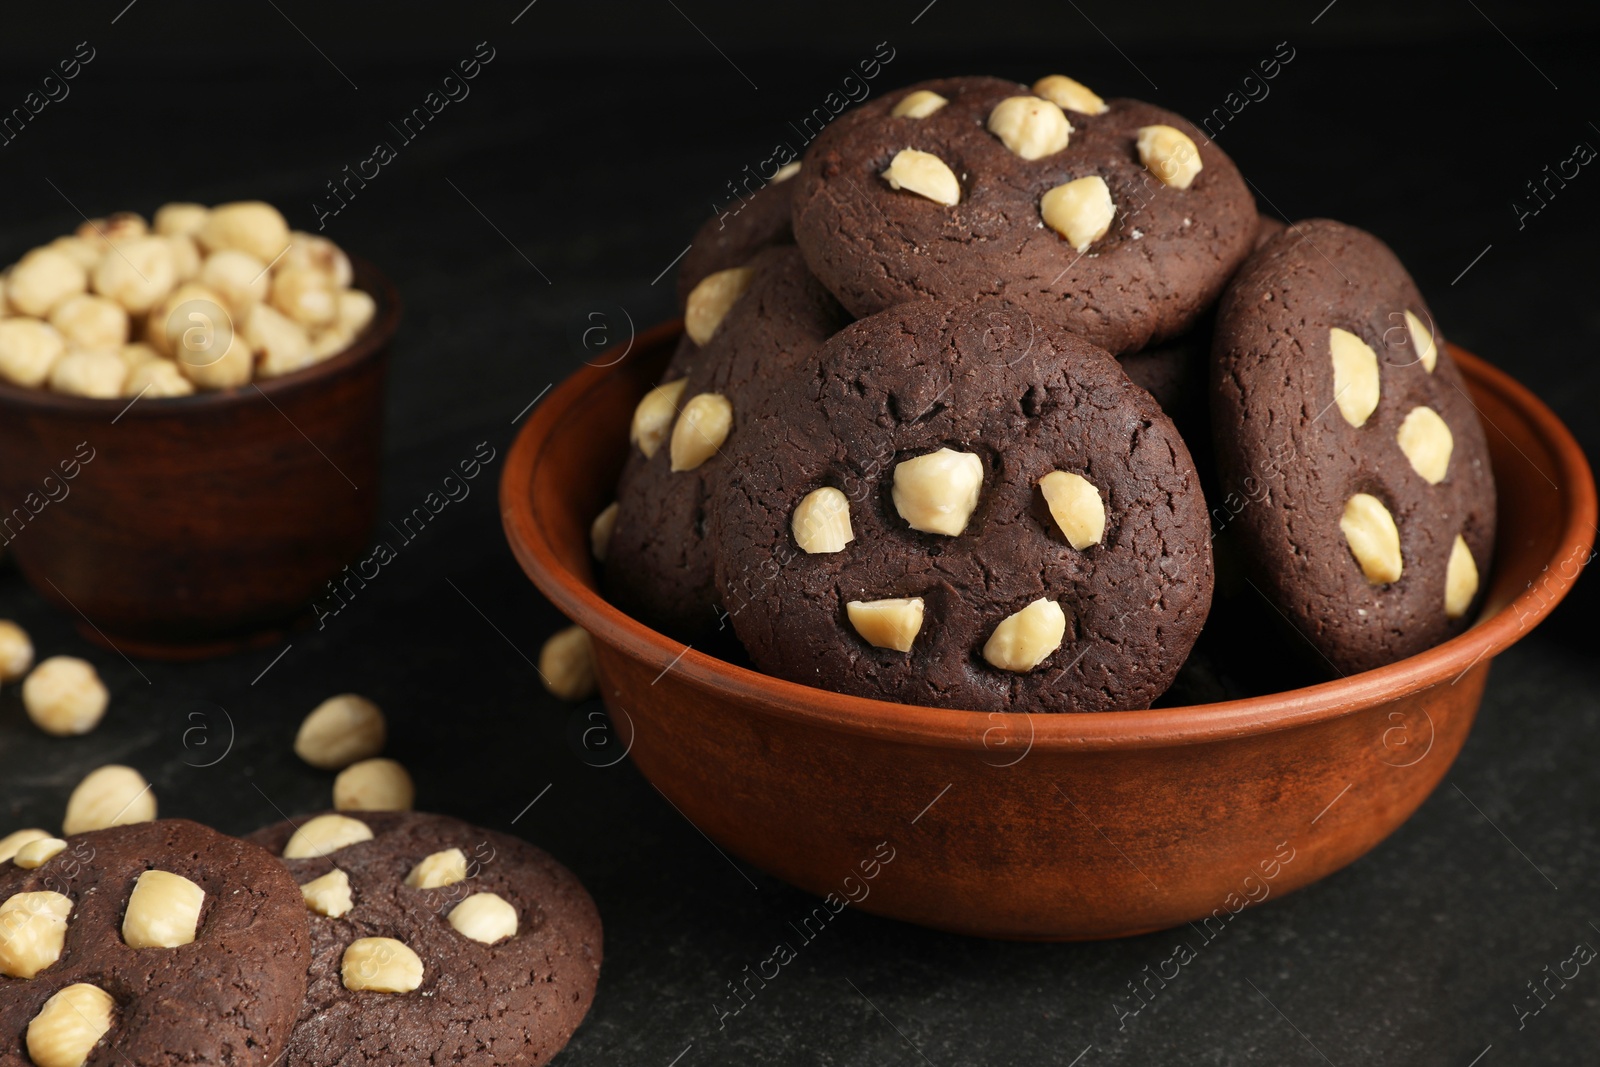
(1373, 542)
(963, 508)
(731, 238)
(1174, 372)
(1117, 220)
(684, 355)
(658, 564)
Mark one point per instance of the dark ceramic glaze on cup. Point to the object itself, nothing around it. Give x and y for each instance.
(1038, 826)
(201, 523)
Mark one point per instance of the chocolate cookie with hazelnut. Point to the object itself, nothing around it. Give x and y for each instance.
(1116, 220)
(732, 238)
(1372, 544)
(756, 328)
(161, 943)
(964, 508)
(435, 941)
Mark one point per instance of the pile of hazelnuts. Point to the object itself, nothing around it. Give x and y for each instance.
(197, 299)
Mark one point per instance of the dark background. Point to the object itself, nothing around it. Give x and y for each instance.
(589, 149)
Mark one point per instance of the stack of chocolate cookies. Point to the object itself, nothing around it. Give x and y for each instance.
(974, 400)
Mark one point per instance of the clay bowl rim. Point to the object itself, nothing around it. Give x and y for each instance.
(952, 728)
(374, 339)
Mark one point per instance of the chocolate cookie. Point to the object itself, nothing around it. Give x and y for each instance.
(1162, 371)
(958, 507)
(658, 563)
(908, 197)
(684, 356)
(177, 944)
(732, 237)
(1175, 373)
(433, 941)
(1267, 228)
(1344, 433)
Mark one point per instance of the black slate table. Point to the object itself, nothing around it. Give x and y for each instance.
(562, 188)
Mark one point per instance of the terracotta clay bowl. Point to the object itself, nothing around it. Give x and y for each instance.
(195, 525)
(1037, 826)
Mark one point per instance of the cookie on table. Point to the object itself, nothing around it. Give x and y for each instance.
(434, 941)
(658, 562)
(732, 237)
(966, 509)
(159, 943)
(913, 196)
(1345, 430)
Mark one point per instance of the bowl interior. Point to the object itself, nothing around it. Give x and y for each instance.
(564, 464)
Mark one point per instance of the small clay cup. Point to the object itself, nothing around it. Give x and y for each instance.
(195, 525)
